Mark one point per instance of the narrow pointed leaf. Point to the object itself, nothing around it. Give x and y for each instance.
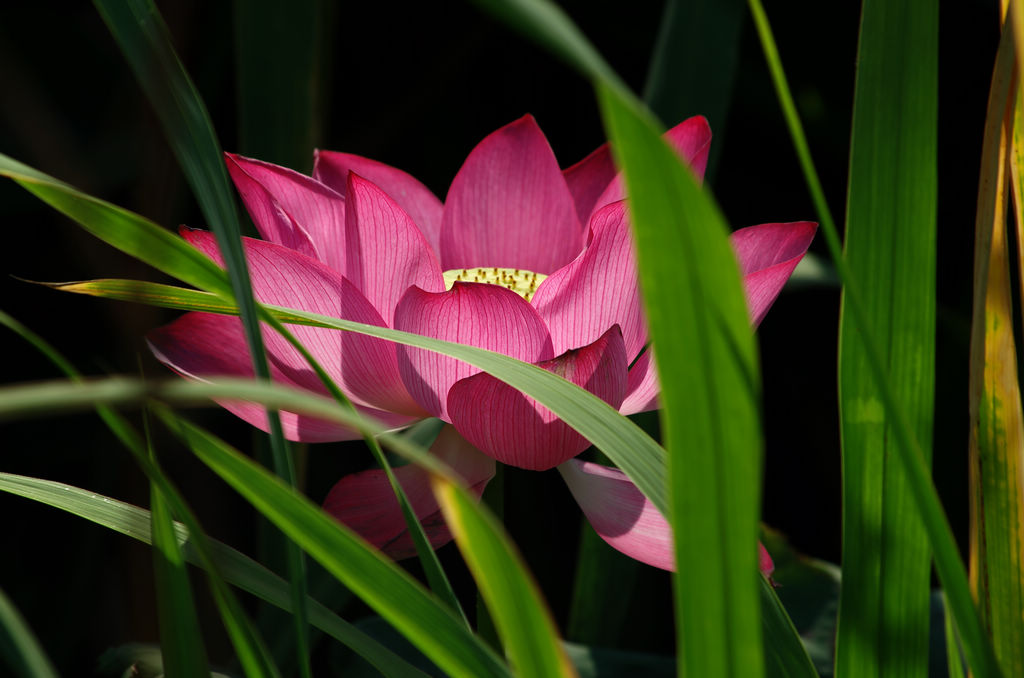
(433, 628)
(181, 644)
(709, 395)
(19, 649)
(236, 567)
(997, 436)
(140, 32)
(950, 568)
(127, 231)
(523, 621)
(890, 248)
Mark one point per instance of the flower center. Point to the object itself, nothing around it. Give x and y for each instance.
(524, 283)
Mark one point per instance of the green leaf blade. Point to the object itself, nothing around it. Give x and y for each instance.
(890, 248)
(430, 625)
(527, 630)
(709, 394)
(181, 644)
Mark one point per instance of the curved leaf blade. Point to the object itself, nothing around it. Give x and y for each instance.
(524, 623)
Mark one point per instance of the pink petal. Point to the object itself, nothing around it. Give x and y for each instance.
(414, 198)
(509, 206)
(620, 513)
(365, 502)
(767, 255)
(515, 429)
(642, 388)
(270, 218)
(365, 367)
(588, 178)
(764, 561)
(624, 517)
(486, 316)
(203, 346)
(692, 140)
(315, 210)
(600, 288)
(385, 252)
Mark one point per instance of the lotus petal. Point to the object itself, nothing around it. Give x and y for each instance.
(366, 503)
(625, 518)
(486, 316)
(365, 367)
(692, 140)
(509, 206)
(600, 288)
(385, 253)
(588, 178)
(204, 346)
(315, 210)
(767, 255)
(413, 197)
(642, 389)
(517, 430)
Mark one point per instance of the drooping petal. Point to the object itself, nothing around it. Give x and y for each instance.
(316, 210)
(642, 389)
(515, 429)
(203, 346)
(600, 288)
(767, 255)
(365, 502)
(588, 178)
(692, 140)
(624, 517)
(414, 198)
(486, 316)
(385, 253)
(365, 367)
(509, 206)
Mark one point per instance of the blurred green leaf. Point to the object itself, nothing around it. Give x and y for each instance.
(236, 568)
(916, 472)
(524, 623)
(278, 50)
(181, 644)
(140, 32)
(693, 68)
(19, 648)
(384, 586)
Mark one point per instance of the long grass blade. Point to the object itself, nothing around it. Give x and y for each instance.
(947, 560)
(181, 644)
(709, 396)
(890, 248)
(787, 657)
(524, 623)
(235, 567)
(248, 645)
(140, 32)
(624, 442)
(997, 438)
(432, 627)
(19, 649)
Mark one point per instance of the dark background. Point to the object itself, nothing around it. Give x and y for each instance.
(417, 85)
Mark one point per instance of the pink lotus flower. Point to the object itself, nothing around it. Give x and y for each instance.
(523, 258)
